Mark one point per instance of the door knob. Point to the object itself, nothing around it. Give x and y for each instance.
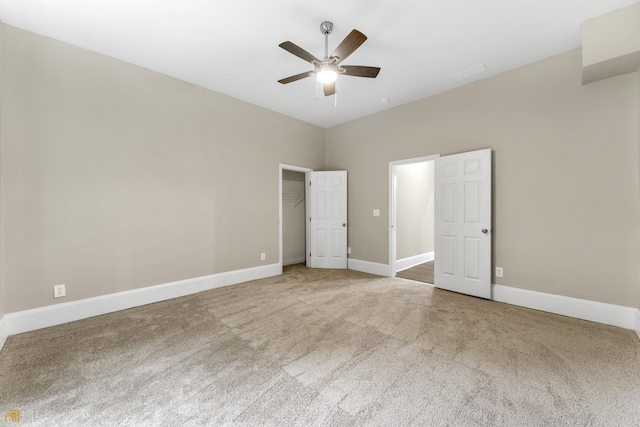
(485, 231)
(344, 224)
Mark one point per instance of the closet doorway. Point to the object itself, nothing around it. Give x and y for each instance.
(293, 203)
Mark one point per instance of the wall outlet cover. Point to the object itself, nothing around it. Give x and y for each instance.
(59, 291)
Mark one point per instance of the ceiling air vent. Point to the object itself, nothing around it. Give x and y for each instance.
(471, 72)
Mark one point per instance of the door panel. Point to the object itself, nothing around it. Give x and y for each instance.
(471, 202)
(448, 255)
(321, 243)
(472, 258)
(327, 219)
(448, 203)
(463, 223)
(337, 243)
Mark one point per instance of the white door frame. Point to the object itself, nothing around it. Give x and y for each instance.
(392, 205)
(294, 169)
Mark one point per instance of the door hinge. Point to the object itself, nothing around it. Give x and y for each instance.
(309, 254)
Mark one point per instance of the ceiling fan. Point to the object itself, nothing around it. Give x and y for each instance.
(326, 70)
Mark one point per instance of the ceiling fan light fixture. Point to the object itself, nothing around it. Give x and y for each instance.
(326, 74)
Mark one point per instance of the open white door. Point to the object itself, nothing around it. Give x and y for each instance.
(463, 223)
(327, 215)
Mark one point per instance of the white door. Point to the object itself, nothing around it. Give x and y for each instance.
(463, 223)
(327, 216)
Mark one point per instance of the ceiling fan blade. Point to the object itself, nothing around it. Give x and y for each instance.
(349, 45)
(361, 71)
(298, 51)
(295, 78)
(329, 88)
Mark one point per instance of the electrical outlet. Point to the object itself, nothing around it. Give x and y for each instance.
(59, 291)
(376, 212)
(263, 256)
(348, 250)
(499, 272)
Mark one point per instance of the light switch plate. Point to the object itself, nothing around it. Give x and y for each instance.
(376, 212)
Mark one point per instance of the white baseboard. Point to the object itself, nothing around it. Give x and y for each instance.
(368, 267)
(43, 317)
(412, 261)
(295, 261)
(29, 320)
(4, 331)
(600, 312)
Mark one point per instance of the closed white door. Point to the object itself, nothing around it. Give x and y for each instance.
(327, 216)
(463, 223)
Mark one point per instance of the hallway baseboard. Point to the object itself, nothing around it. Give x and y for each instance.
(412, 261)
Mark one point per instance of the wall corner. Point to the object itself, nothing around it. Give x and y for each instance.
(4, 330)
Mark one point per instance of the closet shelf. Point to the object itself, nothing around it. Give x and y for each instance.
(296, 198)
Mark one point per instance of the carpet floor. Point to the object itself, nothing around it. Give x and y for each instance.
(324, 347)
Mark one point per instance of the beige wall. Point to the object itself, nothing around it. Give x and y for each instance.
(566, 211)
(293, 218)
(116, 177)
(414, 209)
(611, 35)
(3, 298)
(611, 44)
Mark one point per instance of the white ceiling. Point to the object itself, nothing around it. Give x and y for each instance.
(231, 46)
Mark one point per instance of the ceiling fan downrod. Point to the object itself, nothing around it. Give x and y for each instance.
(326, 28)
